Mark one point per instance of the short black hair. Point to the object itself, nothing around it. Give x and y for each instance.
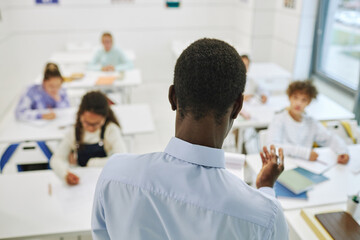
(209, 76)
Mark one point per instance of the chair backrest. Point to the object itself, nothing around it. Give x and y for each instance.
(346, 129)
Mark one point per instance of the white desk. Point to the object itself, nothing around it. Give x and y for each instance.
(267, 70)
(124, 81)
(322, 109)
(270, 76)
(81, 57)
(28, 210)
(130, 78)
(134, 119)
(299, 229)
(342, 182)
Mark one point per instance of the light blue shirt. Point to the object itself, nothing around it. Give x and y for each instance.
(184, 192)
(115, 57)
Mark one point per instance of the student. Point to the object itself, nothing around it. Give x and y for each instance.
(185, 192)
(251, 88)
(295, 131)
(109, 58)
(95, 136)
(40, 98)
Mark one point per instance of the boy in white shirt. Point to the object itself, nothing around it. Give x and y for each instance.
(296, 132)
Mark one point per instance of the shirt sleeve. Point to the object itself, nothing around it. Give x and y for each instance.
(98, 222)
(59, 161)
(280, 228)
(113, 143)
(64, 99)
(124, 62)
(275, 135)
(23, 110)
(268, 190)
(95, 64)
(325, 138)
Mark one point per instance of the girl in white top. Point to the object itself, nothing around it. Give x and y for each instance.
(95, 136)
(296, 132)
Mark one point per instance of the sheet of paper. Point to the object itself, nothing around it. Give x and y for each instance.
(327, 159)
(72, 198)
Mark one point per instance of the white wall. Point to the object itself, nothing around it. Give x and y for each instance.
(145, 26)
(293, 36)
(29, 33)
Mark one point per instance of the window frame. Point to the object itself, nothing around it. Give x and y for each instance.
(317, 53)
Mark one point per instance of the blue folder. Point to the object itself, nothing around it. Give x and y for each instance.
(282, 191)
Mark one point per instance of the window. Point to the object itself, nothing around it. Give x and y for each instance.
(337, 56)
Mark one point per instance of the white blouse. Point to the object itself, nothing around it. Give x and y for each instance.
(297, 138)
(113, 143)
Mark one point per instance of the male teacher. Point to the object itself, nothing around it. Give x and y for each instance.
(185, 192)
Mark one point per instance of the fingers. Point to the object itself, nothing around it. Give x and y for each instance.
(72, 179)
(273, 154)
(281, 158)
(267, 154)
(263, 158)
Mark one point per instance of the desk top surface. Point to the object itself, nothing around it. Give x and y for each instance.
(29, 207)
(342, 181)
(323, 109)
(134, 119)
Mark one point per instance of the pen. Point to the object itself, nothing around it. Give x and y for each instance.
(277, 160)
(49, 189)
(355, 199)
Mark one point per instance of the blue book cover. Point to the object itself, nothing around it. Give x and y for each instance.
(282, 191)
(315, 178)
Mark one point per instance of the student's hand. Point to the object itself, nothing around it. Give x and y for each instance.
(48, 116)
(72, 179)
(247, 97)
(313, 156)
(108, 68)
(72, 158)
(343, 159)
(270, 170)
(105, 68)
(263, 98)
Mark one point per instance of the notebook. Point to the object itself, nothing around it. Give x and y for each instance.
(315, 178)
(295, 182)
(309, 216)
(340, 225)
(326, 160)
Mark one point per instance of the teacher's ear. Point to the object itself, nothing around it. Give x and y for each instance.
(172, 98)
(237, 106)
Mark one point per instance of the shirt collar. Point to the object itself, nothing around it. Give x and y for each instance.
(197, 154)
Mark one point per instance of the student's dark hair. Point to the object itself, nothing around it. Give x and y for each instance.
(51, 70)
(95, 102)
(209, 76)
(246, 57)
(305, 87)
(106, 34)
